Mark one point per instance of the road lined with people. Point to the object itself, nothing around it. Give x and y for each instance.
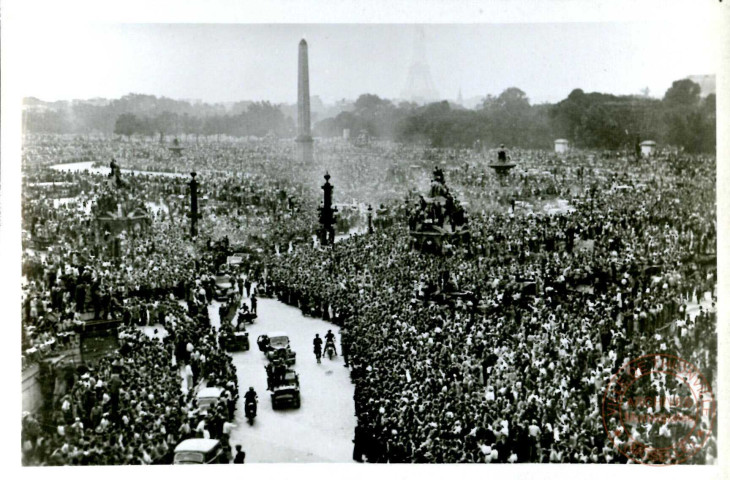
(495, 351)
(320, 430)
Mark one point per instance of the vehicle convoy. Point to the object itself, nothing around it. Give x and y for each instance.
(286, 391)
(276, 345)
(199, 451)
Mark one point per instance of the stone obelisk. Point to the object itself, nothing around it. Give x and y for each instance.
(304, 131)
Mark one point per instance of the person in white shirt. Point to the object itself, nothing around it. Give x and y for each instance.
(201, 431)
(188, 376)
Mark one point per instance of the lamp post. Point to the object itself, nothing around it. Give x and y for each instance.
(326, 214)
(194, 215)
(370, 218)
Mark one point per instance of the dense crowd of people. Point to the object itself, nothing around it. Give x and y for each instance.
(455, 359)
(130, 407)
(496, 351)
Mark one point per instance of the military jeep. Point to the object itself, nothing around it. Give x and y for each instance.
(286, 392)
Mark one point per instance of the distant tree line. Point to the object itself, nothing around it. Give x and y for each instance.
(588, 120)
(258, 120)
(148, 115)
(597, 120)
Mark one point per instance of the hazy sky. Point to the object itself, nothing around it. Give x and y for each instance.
(220, 63)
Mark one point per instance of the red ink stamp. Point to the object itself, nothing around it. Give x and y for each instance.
(658, 410)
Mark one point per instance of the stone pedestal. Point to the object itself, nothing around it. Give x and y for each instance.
(502, 169)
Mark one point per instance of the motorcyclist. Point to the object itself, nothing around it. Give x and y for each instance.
(317, 347)
(330, 338)
(251, 395)
(250, 398)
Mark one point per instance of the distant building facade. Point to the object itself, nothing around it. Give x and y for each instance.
(562, 145)
(648, 147)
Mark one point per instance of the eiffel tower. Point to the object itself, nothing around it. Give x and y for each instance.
(419, 86)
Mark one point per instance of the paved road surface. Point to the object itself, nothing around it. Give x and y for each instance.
(322, 429)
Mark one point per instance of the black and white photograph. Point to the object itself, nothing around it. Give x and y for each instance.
(457, 239)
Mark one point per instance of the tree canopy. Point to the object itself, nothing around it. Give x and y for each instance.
(590, 120)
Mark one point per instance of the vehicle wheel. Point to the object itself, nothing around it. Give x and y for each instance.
(297, 403)
(274, 405)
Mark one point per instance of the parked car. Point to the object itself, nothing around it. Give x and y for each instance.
(286, 392)
(208, 397)
(199, 451)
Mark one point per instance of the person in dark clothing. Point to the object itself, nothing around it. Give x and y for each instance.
(279, 371)
(317, 342)
(269, 376)
(359, 442)
(240, 455)
(250, 395)
(251, 398)
(345, 352)
(254, 302)
(330, 339)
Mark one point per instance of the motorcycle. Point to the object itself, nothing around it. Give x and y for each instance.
(329, 350)
(250, 410)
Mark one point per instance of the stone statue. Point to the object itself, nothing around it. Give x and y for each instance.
(502, 154)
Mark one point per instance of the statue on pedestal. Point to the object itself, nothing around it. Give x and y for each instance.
(116, 173)
(438, 222)
(503, 166)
